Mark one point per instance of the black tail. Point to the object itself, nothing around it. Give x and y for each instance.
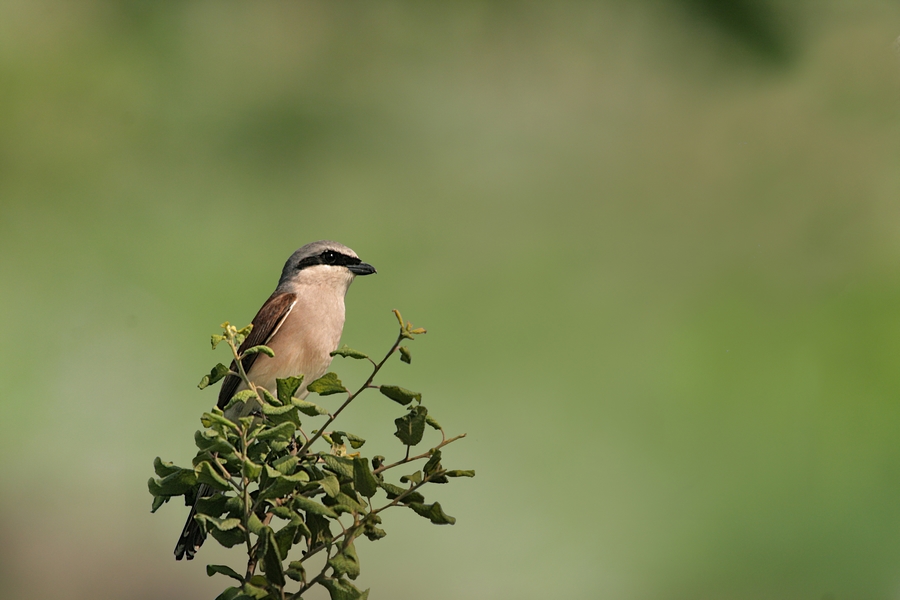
(192, 535)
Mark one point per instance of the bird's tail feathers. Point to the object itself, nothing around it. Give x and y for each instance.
(192, 535)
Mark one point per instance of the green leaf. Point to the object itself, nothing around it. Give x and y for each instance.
(308, 408)
(411, 427)
(284, 537)
(279, 445)
(355, 441)
(363, 479)
(341, 589)
(234, 505)
(210, 476)
(271, 556)
(276, 411)
(231, 593)
(312, 507)
(414, 478)
(280, 485)
(432, 422)
(331, 485)
(320, 529)
(209, 419)
(279, 432)
(282, 512)
(259, 349)
(250, 470)
(287, 387)
(399, 394)
(215, 339)
(434, 463)
(209, 440)
(326, 385)
(218, 372)
(348, 352)
(258, 451)
(158, 501)
(219, 524)
(242, 396)
(250, 424)
(300, 528)
(370, 530)
(345, 502)
(256, 591)
(164, 469)
(223, 570)
(268, 397)
(296, 571)
(301, 478)
(177, 483)
(286, 465)
(345, 563)
(229, 538)
(405, 355)
(460, 473)
(255, 525)
(290, 414)
(212, 506)
(394, 491)
(433, 512)
(242, 334)
(231, 462)
(340, 465)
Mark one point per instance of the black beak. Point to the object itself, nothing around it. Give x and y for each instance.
(362, 269)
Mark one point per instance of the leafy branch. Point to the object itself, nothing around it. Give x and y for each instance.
(276, 491)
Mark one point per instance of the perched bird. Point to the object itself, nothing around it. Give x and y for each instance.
(302, 323)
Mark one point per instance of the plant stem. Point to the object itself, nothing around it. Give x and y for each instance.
(394, 502)
(305, 449)
(408, 459)
(303, 589)
(306, 586)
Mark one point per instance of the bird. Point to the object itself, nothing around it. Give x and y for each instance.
(301, 322)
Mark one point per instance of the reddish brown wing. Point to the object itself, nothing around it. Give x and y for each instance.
(265, 324)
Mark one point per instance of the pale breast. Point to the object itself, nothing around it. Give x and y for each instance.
(304, 342)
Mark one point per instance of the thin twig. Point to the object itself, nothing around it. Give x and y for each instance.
(306, 586)
(394, 502)
(305, 449)
(404, 461)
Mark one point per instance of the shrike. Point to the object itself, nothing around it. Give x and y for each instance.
(302, 323)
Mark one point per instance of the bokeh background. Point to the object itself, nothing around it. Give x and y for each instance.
(654, 244)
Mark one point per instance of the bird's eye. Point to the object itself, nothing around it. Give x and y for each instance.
(328, 256)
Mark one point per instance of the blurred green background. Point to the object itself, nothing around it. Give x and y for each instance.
(654, 244)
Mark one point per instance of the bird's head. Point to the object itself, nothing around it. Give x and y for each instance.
(320, 263)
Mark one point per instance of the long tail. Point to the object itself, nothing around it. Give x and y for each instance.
(192, 535)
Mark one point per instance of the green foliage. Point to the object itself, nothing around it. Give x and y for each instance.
(288, 387)
(218, 372)
(411, 426)
(284, 495)
(327, 385)
(405, 355)
(399, 394)
(348, 352)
